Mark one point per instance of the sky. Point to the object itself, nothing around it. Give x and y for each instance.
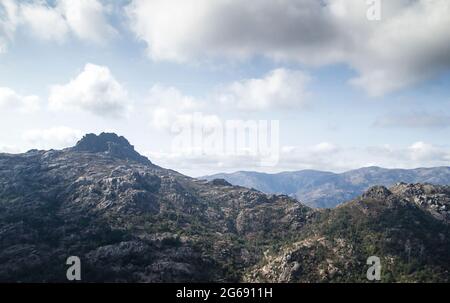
(349, 83)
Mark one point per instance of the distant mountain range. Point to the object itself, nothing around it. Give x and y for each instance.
(326, 189)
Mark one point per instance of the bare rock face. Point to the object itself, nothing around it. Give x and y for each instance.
(129, 220)
(220, 182)
(433, 198)
(111, 144)
(377, 192)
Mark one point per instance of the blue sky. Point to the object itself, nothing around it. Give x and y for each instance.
(347, 91)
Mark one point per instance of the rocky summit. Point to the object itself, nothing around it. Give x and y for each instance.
(111, 144)
(129, 220)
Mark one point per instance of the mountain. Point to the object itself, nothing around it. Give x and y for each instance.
(129, 220)
(405, 226)
(326, 189)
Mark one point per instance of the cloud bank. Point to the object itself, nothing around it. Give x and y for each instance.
(55, 137)
(390, 54)
(280, 89)
(11, 100)
(322, 156)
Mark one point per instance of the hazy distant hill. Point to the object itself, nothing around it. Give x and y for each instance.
(327, 189)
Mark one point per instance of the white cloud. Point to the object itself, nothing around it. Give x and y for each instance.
(55, 137)
(171, 97)
(418, 154)
(324, 147)
(281, 88)
(9, 20)
(94, 90)
(224, 27)
(421, 151)
(278, 89)
(168, 106)
(411, 42)
(45, 22)
(323, 156)
(10, 100)
(2, 46)
(85, 19)
(9, 149)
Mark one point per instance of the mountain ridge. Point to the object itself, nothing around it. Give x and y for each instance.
(325, 189)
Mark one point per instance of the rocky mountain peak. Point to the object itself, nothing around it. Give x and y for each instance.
(220, 182)
(377, 193)
(101, 143)
(109, 143)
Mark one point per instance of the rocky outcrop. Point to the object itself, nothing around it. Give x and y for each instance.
(111, 144)
(377, 193)
(220, 182)
(435, 199)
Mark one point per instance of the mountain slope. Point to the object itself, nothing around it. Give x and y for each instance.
(406, 227)
(129, 220)
(326, 189)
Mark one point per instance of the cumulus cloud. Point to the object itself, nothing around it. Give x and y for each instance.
(10, 100)
(421, 151)
(87, 19)
(235, 28)
(281, 88)
(167, 106)
(278, 89)
(45, 22)
(324, 147)
(55, 137)
(94, 90)
(84, 19)
(401, 51)
(390, 54)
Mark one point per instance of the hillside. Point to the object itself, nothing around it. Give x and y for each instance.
(129, 220)
(405, 226)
